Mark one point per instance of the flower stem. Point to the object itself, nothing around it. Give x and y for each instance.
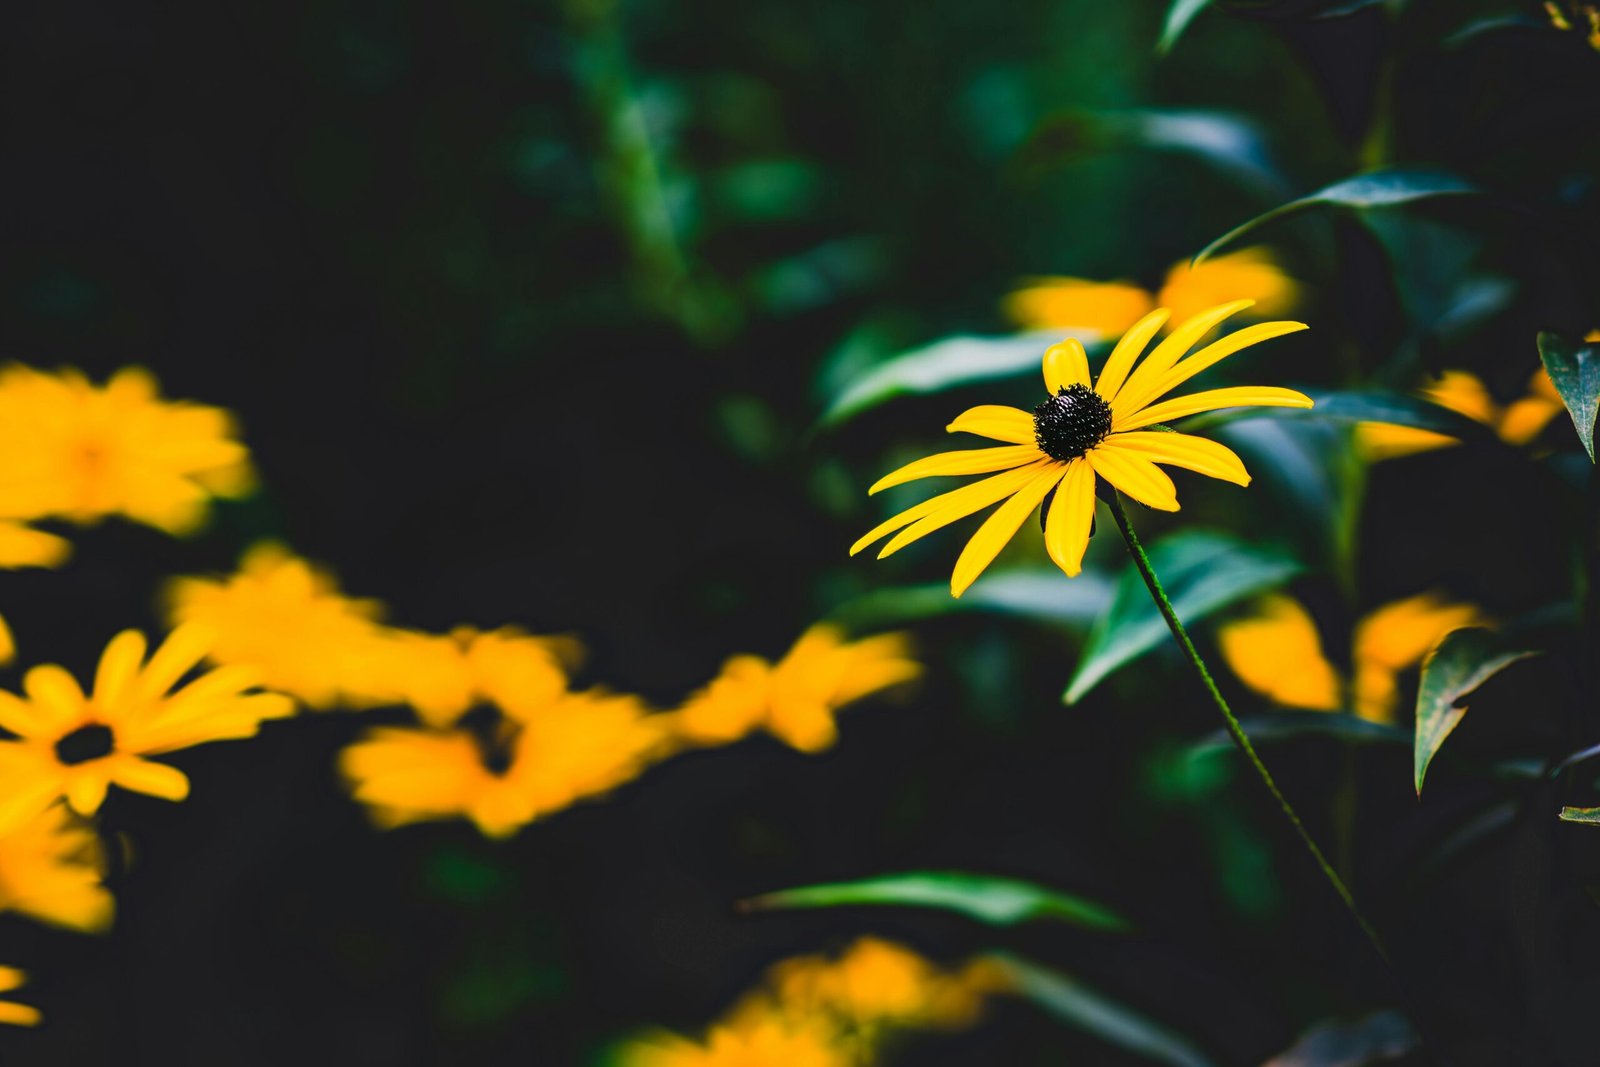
(1235, 730)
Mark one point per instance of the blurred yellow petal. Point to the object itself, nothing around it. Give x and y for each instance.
(1251, 273)
(1462, 392)
(51, 869)
(1378, 441)
(23, 546)
(1277, 652)
(1398, 635)
(1061, 303)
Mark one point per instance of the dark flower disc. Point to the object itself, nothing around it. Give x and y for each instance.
(1070, 423)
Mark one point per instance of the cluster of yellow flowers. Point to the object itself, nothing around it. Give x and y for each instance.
(817, 1011)
(501, 736)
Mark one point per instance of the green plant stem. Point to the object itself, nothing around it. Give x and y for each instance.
(1235, 730)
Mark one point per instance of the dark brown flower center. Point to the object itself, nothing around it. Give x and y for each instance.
(1070, 423)
(86, 743)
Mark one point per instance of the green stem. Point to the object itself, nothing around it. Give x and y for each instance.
(1235, 730)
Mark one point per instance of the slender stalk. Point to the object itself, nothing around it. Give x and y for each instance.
(1235, 730)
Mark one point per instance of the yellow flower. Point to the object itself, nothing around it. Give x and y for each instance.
(51, 868)
(1108, 308)
(795, 699)
(874, 983)
(77, 745)
(755, 1041)
(1517, 423)
(1278, 653)
(444, 677)
(502, 771)
(10, 1011)
(1079, 433)
(286, 619)
(1583, 19)
(72, 449)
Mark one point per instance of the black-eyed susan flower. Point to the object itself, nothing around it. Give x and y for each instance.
(76, 745)
(1082, 432)
(286, 619)
(1517, 423)
(52, 868)
(75, 450)
(504, 768)
(1277, 651)
(1105, 309)
(796, 698)
(12, 1013)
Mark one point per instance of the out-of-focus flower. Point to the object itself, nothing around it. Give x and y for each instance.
(11, 1012)
(1106, 309)
(836, 1011)
(1277, 651)
(1517, 423)
(1583, 19)
(445, 676)
(1080, 433)
(503, 770)
(286, 619)
(76, 745)
(75, 450)
(795, 699)
(51, 868)
(752, 1041)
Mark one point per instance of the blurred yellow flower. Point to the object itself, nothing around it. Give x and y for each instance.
(1583, 19)
(286, 619)
(10, 1011)
(76, 745)
(51, 867)
(1081, 433)
(444, 677)
(1517, 423)
(751, 1042)
(1277, 652)
(503, 770)
(71, 449)
(1108, 308)
(874, 983)
(795, 699)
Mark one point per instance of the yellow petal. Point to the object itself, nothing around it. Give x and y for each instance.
(1065, 364)
(1398, 635)
(1240, 396)
(1066, 528)
(1378, 441)
(152, 779)
(1461, 391)
(86, 790)
(119, 663)
(962, 502)
(965, 461)
(1199, 454)
(1207, 357)
(1115, 372)
(1278, 653)
(23, 546)
(58, 703)
(1249, 272)
(1139, 389)
(178, 654)
(999, 528)
(1524, 419)
(1136, 476)
(19, 1014)
(995, 421)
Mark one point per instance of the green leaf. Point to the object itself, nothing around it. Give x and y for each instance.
(1588, 815)
(995, 901)
(1077, 1005)
(944, 365)
(1384, 188)
(1463, 661)
(1038, 594)
(1288, 725)
(1179, 15)
(1202, 571)
(1378, 1038)
(1359, 406)
(1574, 367)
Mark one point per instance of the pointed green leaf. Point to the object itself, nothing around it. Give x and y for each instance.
(944, 365)
(991, 900)
(1086, 1009)
(1383, 188)
(1463, 661)
(1179, 15)
(1574, 367)
(1203, 572)
(1038, 594)
(1586, 815)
